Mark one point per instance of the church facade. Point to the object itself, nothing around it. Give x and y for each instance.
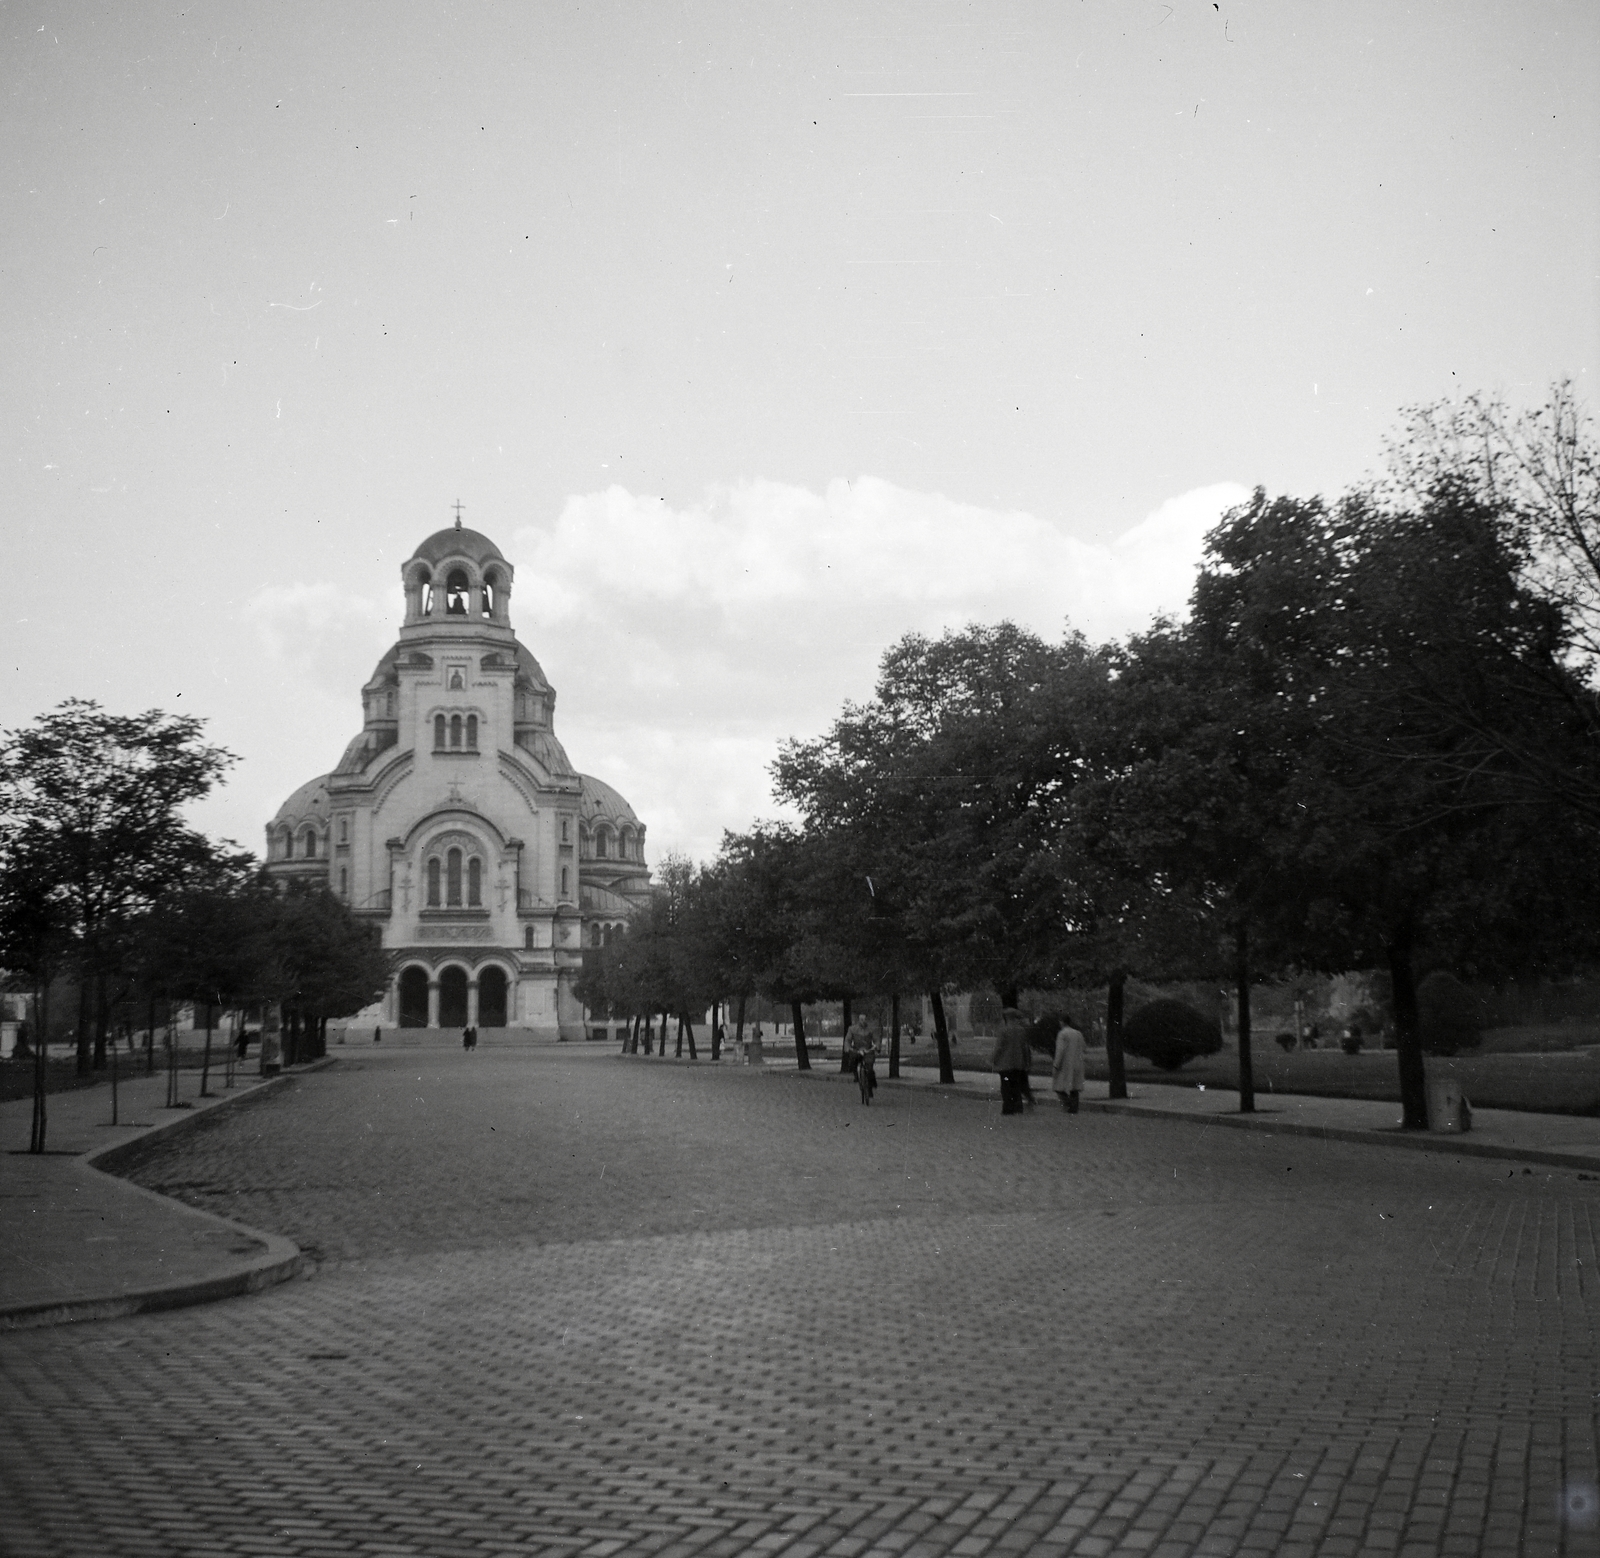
(456, 821)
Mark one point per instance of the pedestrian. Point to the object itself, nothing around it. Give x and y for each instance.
(858, 1041)
(377, 1035)
(1010, 1059)
(1066, 1076)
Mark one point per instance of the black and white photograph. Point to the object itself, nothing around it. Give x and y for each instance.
(800, 779)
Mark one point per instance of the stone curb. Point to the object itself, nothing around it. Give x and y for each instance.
(278, 1262)
(1415, 1141)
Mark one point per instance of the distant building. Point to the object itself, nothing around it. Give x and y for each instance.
(456, 820)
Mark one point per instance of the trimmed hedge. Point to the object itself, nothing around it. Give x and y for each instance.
(1167, 1033)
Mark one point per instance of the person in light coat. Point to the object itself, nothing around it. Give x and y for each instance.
(1066, 1076)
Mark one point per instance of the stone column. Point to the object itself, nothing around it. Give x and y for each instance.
(433, 1003)
(472, 1003)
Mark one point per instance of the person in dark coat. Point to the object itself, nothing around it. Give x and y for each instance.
(1010, 1059)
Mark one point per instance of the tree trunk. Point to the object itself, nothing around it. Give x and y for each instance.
(1241, 970)
(172, 1062)
(102, 1020)
(85, 1055)
(716, 1031)
(688, 1028)
(205, 1059)
(941, 1039)
(894, 1035)
(1408, 1038)
(1119, 1076)
(844, 1058)
(802, 1060)
(1009, 996)
(150, 1039)
(41, 1044)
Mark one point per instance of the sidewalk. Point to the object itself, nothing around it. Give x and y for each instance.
(82, 1244)
(1561, 1140)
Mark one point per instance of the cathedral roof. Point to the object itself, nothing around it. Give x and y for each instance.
(598, 799)
(452, 542)
(308, 803)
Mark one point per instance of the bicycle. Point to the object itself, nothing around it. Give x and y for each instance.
(866, 1076)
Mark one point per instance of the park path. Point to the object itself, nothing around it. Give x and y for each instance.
(567, 1302)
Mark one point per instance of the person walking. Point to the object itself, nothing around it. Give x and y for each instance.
(1010, 1059)
(1066, 1076)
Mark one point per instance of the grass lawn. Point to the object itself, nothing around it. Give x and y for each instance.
(1558, 1082)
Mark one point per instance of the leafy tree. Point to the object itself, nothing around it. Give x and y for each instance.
(35, 944)
(100, 796)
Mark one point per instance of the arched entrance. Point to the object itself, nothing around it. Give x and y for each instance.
(491, 997)
(453, 998)
(414, 998)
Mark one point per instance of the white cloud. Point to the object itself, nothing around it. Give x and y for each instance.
(323, 633)
(686, 642)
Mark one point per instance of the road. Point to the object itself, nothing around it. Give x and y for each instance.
(567, 1302)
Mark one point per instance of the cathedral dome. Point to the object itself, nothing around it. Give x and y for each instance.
(458, 542)
(598, 800)
(308, 804)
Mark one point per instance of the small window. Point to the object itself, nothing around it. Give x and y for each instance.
(308, 844)
(389, 706)
(600, 840)
(527, 938)
(455, 730)
(564, 879)
(475, 883)
(472, 732)
(344, 882)
(490, 584)
(438, 731)
(344, 830)
(433, 883)
(453, 878)
(566, 836)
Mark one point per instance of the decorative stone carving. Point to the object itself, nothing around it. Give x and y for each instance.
(455, 932)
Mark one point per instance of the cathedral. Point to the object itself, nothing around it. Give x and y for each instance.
(457, 823)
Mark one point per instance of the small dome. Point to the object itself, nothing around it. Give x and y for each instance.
(308, 803)
(597, 799)
(529, 668)
(471, 544)
(387, 672)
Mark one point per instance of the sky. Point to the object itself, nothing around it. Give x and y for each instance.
(756, 336)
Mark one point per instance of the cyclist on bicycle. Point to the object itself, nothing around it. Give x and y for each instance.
(860, 1044)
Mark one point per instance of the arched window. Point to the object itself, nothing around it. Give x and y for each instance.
(452, 864)
(425, 594)
(564, 879)
(455, 593)
(455, 730)
(389, 706)
(527, 938)
(286, 844)
(344, 882)
(438, 730)
(433, 883)
(472, 732)
(594, 935)
(308, 844)
(474, 883)
(602, 841)
(491, 583)
(344, 830)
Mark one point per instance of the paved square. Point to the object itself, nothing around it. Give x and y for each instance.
(571, 1303)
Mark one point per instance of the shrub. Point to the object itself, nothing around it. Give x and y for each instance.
(1448, 1015)
(1286, 1042)
(1167, 1033)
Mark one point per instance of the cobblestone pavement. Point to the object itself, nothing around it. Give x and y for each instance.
(570, 1303)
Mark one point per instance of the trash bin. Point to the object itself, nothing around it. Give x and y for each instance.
(1448, 1110)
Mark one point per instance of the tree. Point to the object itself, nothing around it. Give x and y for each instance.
(1379, 840)
(1531, 721)
(100, 796)
(35, 943)
(944, 794)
